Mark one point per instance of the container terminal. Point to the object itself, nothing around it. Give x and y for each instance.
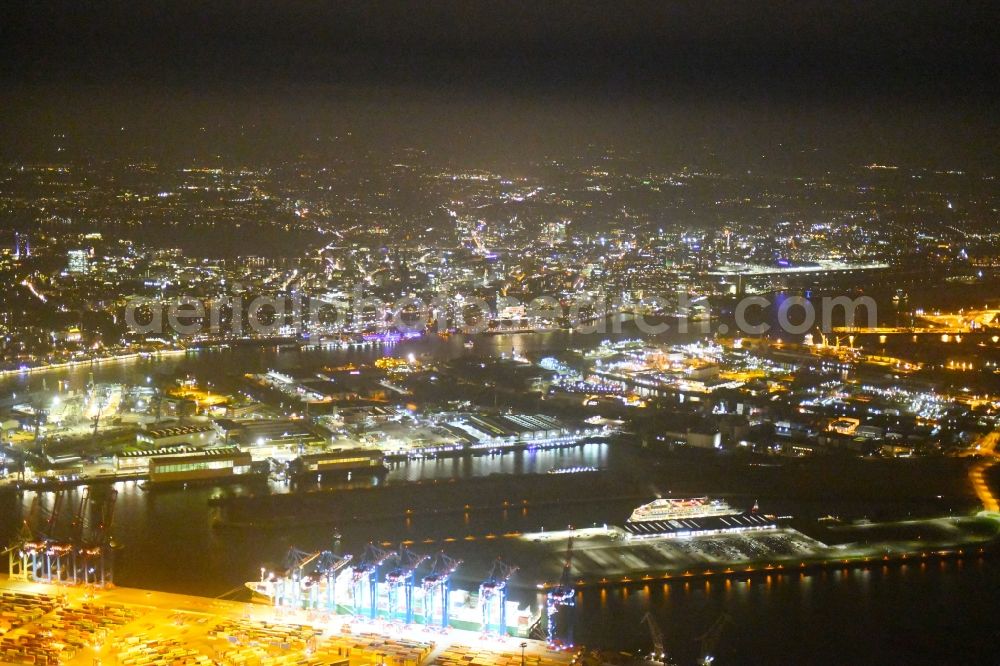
(76, 625)
(396, 605)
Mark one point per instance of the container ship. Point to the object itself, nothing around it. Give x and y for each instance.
(692, 516)
(465, 609)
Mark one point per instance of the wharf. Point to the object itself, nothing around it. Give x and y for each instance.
(48, 624)
(606, 557)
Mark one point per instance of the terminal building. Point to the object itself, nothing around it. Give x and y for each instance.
(195, 435)
(343, 460)
(210, 464)
(137, 462)
(267, 437)
(702, 526)
(485, 432)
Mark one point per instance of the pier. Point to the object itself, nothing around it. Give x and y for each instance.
(49, 624)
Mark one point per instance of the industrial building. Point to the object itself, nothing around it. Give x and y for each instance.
(137, 462)
(482, 431)
(211, 464)
(344, 460)
(266, 436)
(195, 435)
(329, 386)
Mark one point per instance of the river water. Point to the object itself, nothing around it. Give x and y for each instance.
(936, 612)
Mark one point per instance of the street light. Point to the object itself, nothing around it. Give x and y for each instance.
(523, 645)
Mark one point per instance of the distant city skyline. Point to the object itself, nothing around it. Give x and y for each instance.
(467, 332)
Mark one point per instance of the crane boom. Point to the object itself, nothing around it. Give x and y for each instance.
(50, 525)
(656, 635)
(710, 639)
(81, 515)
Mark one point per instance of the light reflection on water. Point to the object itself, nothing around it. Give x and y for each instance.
(170, 544)
(930, 613)
(821, 617)
(532, 461)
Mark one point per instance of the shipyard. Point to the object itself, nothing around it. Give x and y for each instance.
(499, 334)
(410, 602)
(46, 625)
(484, 527)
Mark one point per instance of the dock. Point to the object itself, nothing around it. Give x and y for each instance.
(606, 557)
(57, 624)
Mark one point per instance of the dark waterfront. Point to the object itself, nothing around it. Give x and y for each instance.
(255, 259)
(171, 539)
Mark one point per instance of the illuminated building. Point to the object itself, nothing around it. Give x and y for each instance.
(78, 262)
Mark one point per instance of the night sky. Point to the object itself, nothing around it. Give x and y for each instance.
(850, 73)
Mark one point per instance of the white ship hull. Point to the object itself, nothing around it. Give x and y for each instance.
(680, 508)
(465, 612)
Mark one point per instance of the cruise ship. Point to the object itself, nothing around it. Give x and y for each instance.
(692, 516)
(689, 507)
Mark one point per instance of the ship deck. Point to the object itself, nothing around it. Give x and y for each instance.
(704, 523)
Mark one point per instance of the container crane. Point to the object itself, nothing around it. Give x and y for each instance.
(328, 566)
(289, 588)
(659, 654)
(402, 577)
(493, 594)
(104, 534)
(99, 546)
(438, 584)
(710, 639)
(79, 519)
(25, 548)
(53, 550)
(48, 532)
(366, 571)
(563, 594)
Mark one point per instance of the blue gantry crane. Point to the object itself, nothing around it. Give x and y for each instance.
(308, 579)
(328, 566)
(295, 587)
(97, 551)
(437, 588)
(364, 574)
(710, 639)
(493, 596)
(659, 654)
(401, 577)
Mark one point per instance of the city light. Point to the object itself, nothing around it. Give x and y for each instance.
(485, 334)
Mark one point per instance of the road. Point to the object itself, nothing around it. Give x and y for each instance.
(985, 447)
